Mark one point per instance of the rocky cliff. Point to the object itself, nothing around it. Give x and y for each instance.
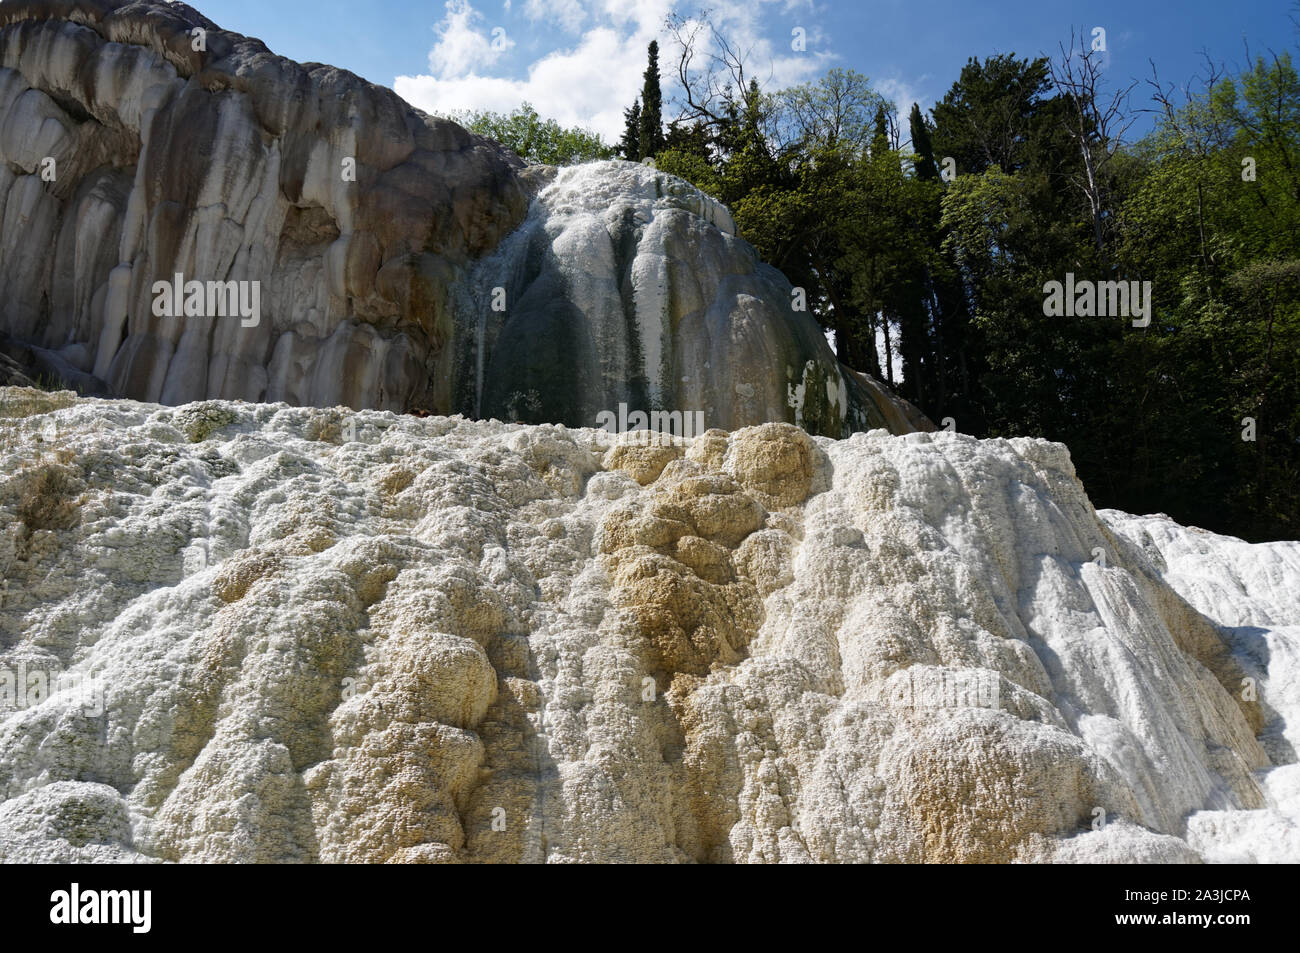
(278, 633)
(397, 260)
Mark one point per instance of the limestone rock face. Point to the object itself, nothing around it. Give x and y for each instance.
(139, 141)
(128, 155)
(297, 634)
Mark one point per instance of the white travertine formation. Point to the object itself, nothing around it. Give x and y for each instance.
(627, 285)
(302, 634)
(1252, 592)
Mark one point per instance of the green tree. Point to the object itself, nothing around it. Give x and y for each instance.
(630, 147)
(689, 153)
(949, 275)
(993, 114)
(839, 111)
(922, 146)
(1210, 217)
(534, 139)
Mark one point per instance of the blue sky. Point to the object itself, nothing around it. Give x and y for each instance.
(580, 61)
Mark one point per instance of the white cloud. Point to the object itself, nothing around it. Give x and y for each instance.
(903, 93)
(645, 16)
(591, 81)
(578, 87)
(461, 46)
(568, 13)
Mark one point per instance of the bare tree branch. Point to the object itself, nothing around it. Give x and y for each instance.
(1096, 124)
(712, 71)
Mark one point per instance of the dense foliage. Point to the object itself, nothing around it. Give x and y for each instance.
(534, 139)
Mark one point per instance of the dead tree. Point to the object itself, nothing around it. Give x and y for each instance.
(711, 71)
(1097, 129)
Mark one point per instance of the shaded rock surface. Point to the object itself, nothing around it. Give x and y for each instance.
(302, 634)
(13, 373)
(139, 141)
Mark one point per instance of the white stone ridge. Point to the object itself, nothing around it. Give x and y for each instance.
(1252, 593)
(315, 635)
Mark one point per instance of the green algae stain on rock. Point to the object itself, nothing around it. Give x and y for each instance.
(818, 401)
(199, 421)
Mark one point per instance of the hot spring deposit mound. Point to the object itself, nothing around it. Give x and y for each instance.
(279, 633)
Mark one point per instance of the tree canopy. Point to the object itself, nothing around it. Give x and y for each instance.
(535, 139)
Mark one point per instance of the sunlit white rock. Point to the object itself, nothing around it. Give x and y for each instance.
(325, 635)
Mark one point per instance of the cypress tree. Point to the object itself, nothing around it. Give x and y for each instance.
(880, 139)
(922, 146)
(630, 147)
(651, 133)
